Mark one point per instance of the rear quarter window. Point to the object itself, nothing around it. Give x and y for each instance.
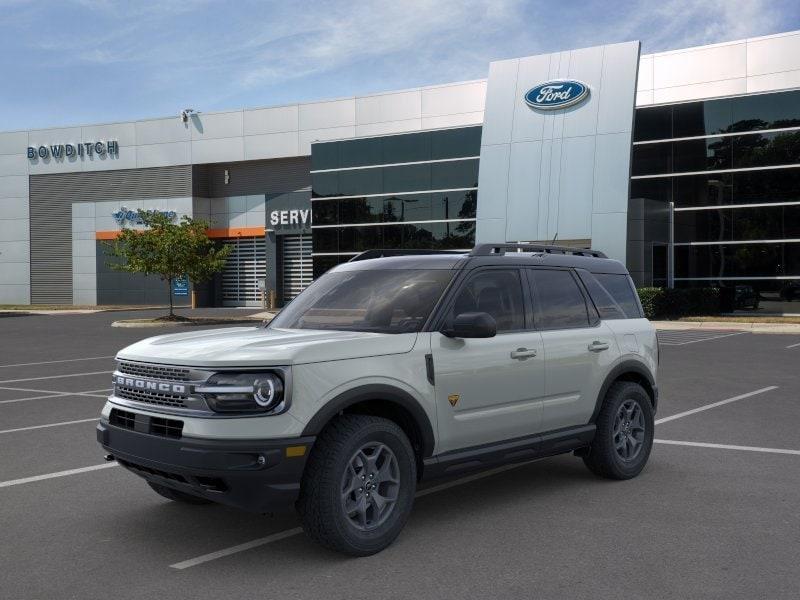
(620, 288)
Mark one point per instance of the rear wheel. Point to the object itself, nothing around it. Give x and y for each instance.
(624, 434)
(177, 496)
(358, 486)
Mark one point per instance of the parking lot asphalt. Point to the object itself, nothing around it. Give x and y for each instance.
(714, 514)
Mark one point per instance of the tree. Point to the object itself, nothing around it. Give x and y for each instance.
(168, 249)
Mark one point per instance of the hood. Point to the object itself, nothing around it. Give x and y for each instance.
(256, 346)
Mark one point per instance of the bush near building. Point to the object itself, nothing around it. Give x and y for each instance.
(664, 303)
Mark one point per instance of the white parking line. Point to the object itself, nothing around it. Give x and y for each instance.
(13, 482)
(56, 376)
(682, 338)
(715, 404)
(50, 362)
(52, 394)
(48, 425)
(282, 535)
(792, 346)
(728, 447)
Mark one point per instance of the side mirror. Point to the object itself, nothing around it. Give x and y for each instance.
(472, 325)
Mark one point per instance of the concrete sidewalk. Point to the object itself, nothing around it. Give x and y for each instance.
(753, 326)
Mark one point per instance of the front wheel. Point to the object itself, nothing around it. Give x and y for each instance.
(625, 431)
(358, 486)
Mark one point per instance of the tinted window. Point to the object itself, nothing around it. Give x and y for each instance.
(702, 155)
(406, 148)
(390, 301)
(356, 153)
(653, 123)
(701, 118)
(558, 300)
(452, 143)
(764, 111)
(606, 306)
(652, 159)
(326, 212)
(622, 291)
(325, 184)
(456, 174)
(496, 292)
(738, 224)
(737, 260)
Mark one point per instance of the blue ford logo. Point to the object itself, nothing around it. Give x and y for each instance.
(556, 94)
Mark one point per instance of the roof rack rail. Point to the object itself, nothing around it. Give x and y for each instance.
(489, 249)
(368, 254)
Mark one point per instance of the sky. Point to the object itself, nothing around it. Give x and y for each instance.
(71, 62)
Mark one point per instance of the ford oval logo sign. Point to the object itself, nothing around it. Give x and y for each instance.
(556, 94)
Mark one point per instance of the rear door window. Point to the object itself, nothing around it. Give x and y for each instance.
(558, 301)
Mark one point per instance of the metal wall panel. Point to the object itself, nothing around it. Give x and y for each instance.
(253, 177)
(548, 173)
(51, 198)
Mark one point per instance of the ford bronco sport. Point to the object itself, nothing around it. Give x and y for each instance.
(391, 370)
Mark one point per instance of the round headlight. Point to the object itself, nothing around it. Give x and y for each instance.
(267, 392)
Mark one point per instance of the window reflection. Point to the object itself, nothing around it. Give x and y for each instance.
(729, 115)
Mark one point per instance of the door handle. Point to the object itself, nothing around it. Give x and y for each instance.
(522, 353)
(598, 346)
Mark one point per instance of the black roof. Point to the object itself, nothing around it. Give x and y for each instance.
(553, 256)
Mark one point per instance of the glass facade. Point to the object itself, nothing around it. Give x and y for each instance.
(732, 169)
(416, 190)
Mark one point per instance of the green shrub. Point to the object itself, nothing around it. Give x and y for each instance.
(664, 303)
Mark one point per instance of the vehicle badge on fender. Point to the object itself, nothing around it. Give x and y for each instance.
(553, 95)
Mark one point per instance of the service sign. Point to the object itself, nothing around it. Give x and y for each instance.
(556, 94)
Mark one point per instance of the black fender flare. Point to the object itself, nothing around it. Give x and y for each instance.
(380, 392)
(623, 368)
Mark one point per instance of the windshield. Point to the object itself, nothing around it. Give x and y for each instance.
(390, 301)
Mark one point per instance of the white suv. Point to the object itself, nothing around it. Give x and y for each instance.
(387, 371)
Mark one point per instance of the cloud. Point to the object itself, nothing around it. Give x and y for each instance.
(154, 55)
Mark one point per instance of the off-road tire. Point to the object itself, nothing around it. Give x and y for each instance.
(320, 506)
(177, 496)
(603, 459)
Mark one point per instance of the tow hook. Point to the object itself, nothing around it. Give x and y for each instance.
(109, 458)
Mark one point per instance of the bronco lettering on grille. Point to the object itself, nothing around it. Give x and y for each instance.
(155, 386)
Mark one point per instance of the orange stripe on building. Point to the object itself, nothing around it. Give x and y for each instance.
(228, 232)
(236, 232)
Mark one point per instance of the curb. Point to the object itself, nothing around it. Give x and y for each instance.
(750, 326)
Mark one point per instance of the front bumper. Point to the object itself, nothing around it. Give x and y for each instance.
(255, 475)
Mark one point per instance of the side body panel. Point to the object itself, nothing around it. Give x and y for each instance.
(317, 384)
(575, 373)
(498, 397)
(637, 341)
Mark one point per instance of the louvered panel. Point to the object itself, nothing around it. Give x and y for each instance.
(51, 198)
(277, 176)
(297, 265)
(246, 265)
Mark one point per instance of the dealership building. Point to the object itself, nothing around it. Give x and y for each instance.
(684, 165)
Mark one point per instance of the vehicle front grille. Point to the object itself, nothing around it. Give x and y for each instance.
(166, 427)
(171, 428)
(154, 371)
(122, 418)
(151, 397)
